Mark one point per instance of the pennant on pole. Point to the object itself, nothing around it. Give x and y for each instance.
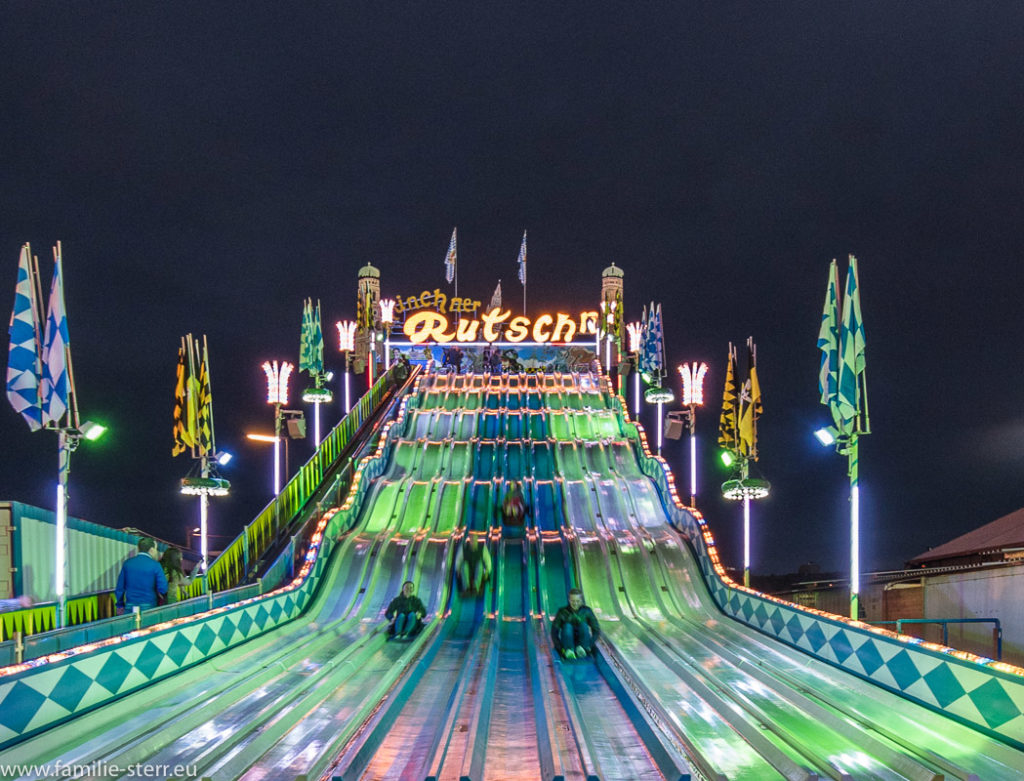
(851, 350)
(204, 417)
(828, 343)
(728, 435)
(750, 407)
(450, 259)
(496, 298)
(54, 388)
(23, 366)
(522, 260)
(311, 340)
(182, 436)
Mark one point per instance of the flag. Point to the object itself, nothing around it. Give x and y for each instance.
(653, 346)
(54, 388)
(851, 351)
(496, 298)
(728, 436)
(204, 416)
(23, 368)
(192, 390)
(183, 439)
(311, 340)
(306, 337)
(828, 343)
(449, 259)
(522, 261)
(750, 407)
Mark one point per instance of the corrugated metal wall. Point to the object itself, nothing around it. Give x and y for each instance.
(95, 552)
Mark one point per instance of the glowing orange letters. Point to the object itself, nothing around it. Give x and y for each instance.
(497, 325)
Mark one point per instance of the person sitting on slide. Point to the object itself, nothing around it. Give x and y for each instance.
(514, 507)
(473, 564)
(575, 629)
(406, 613)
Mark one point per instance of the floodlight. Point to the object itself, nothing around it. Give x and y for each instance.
(92, 431)
(827, 435)
(727, 457)
(223, 457)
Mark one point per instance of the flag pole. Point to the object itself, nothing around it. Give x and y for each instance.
(854, 529)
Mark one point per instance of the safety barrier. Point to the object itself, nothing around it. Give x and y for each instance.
(232, 565)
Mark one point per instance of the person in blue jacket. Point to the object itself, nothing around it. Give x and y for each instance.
(575, 628)
(142, 581)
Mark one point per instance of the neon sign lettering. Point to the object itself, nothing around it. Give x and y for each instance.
(498, 325)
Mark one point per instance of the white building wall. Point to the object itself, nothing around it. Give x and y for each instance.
(994, 593)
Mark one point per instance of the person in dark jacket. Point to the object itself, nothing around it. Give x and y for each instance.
(142, 581)
(513, 511)
(575, 629)
(473, 565)
(406, 613)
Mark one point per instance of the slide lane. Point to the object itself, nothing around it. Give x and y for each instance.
(271, 707)
(662, 598)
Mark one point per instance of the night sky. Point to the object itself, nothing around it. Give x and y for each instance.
(208, 166)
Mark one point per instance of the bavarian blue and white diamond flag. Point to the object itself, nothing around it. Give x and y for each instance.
(851, 349)
(55, 385)
(23, 369)
(828, 343)
(522, 260)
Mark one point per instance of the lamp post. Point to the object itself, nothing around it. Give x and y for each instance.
(635, 331)
(387, 318)
(346, 344)
(693, 396)
(277, 394)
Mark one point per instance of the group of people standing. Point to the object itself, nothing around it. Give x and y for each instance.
(148, 578)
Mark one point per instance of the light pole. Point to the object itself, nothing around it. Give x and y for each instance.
(693, 396)
(346, 344)
(636, 332)
(387, 317)
(277, 394)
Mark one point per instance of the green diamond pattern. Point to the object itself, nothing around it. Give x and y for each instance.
(994, 703)
(816, 637)
(760, 615)
(840, 645)
(748, 609)
(261, 617)
(778, 623)
(944, 685)
(179, 649)
(227, 629)
(903, 670)
(71, 687)
(19, 706)
(245, 623)
(205, 639)
(796, 630)
(113, 673)
(149, 660)
(275, 612)
(869, 657)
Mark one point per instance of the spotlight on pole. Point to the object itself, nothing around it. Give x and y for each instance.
(827, 436)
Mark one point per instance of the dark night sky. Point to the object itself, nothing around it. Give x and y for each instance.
(209, 165)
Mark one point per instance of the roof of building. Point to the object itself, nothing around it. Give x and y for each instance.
(1002, 533)
(369, 270)
(613, 271)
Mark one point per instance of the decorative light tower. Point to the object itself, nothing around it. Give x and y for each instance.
(311, 360)
(387, 319)
(367, 320)
(693, 396)
(636, 334)
(652, 364)
(346, 344)
(737, 435)
(277, 394)
(611, 309)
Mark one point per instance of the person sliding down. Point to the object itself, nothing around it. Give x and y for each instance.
(575, 629)
(406, 613)
(513, 511)
(473, 565)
